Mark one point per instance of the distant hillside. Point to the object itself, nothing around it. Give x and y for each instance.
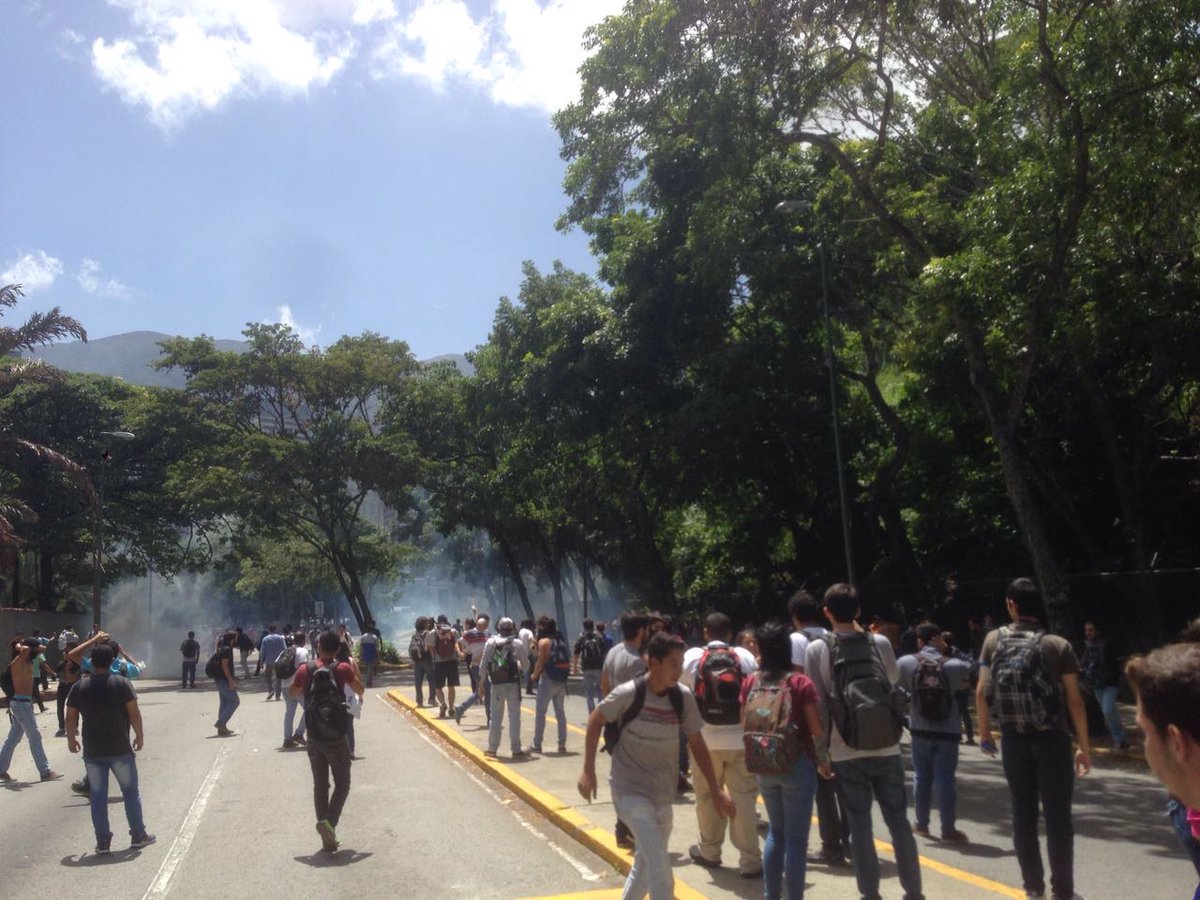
(130, 356)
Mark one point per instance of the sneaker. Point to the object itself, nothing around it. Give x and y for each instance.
(521, 754)
(222, 731)
(458, 714)
(81, 787)
(752, 873)
(700, 859)
(683, 786)
(103, 845)
(51, 775)
(954, 836)
(922, 830)
(1034, 895)
(329, 841)
(142, 840)
(289, 744)
(491, 754)
(531, 750)
(5, 777)
(299, 739)
(62, 732)
(835, 859)
(442, 712)
(624, 838)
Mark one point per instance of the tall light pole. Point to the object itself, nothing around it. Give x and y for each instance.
(99, 545)
(787, 207)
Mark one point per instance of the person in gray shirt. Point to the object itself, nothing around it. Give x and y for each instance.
(934, 737)
(622, 664)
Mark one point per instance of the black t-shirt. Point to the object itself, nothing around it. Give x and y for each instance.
(101, 701)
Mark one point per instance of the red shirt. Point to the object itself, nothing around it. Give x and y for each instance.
(343, 673)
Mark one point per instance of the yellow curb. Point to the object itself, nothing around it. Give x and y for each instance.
(608, 894)
(598, 840)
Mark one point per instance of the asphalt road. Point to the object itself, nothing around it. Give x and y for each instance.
(234, 817)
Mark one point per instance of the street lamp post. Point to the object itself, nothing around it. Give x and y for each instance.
(787, 207)
(99, 544)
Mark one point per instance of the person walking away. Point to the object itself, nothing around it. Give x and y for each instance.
(589, 660)
(352, 699)
(286, 667)
(18, 684)
(714, 673)
(473, 643)
(220, 670)
(529, 639)
(269, 648)
(190, 651)
(934, 680)
(832, 821)
(962, 696)
(602, 630)
(442, 644)
(643, 717)
(862, 715)
(1102, 674)
(245, 646)
(67, 676)
(1025, 676)
(1168, 712)
(550, 675)
(623, 663)
(368, 645)
(67, 636)
(780, 722)
(422, 661)
(322, 684)
(109, 707)
(503, 667)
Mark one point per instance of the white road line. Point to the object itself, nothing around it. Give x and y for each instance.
(578, 865)
(191, 822)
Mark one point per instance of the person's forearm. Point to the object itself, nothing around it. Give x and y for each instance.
(592, 740)
(1079, 719)
(135, 722)
(982, 709)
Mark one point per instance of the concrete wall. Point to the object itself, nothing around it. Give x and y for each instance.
(50, 624)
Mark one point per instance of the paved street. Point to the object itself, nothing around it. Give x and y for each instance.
(235, 815)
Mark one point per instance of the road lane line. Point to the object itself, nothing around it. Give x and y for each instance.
(191, 823)
(578, 865)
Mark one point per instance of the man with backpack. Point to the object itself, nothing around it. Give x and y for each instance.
(862, 712)
(550, 674)
(1029, 680)
(322, 684)
(190, 649)
(422, 661)
(623, 663)
(589, 660)
(933, 681)
(245, 646)
(502, 666)
(269, 649)
(442, 643)
(220, 670)
(832, 821)
(715, 673)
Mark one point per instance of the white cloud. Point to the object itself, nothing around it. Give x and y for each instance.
(178, 58)
(90, 280)
(307, 335)
(189, 55)
(34, 270)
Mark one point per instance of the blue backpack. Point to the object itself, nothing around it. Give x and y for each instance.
(559, 665)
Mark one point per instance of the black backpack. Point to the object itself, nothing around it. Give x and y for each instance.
(213, 667)
(325, 715)
(285, 666)
(718, 686)
(503, 667)
(931, 689)
(866, 707)
(591, 651)
(612, 730)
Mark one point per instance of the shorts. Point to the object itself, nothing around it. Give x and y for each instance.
(445, 674)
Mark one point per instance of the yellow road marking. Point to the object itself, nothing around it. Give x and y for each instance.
(608, 894)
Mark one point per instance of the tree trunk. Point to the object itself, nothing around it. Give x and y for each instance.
(45, 579)
(514, 569)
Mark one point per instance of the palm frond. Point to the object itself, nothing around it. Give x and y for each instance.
(40, 328)
(24, 371)
(51, 457)
(10, 294)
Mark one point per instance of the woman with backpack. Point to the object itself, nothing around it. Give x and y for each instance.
(780, 721)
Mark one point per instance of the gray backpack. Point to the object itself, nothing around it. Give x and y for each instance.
(866, 707)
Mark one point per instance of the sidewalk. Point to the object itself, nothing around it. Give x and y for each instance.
(548, 784)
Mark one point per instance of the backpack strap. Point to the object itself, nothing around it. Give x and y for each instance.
(675, 695)
(639, 700)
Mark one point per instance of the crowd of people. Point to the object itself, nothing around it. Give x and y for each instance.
(810, 712)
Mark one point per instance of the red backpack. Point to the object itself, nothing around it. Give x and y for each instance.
(718, 687)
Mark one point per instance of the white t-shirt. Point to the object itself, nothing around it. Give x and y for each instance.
(718, 737)
(301, 659)
(800, 641)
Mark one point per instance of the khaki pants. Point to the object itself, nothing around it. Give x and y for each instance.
(730, 768)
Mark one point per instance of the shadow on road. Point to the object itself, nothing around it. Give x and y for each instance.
(323, 860)
(87, 860)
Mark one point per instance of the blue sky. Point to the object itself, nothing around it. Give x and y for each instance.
(187, 166)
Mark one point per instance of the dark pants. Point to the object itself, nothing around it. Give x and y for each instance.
(326, 758)
(964, 710)
(832, 821)
(189, 673)
(1037, 767)
(63, 690)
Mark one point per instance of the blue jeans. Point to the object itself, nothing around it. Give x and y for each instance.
(189, 673)
(549, 691)
(879, 778)
(1037, 767)
(650, 823)
(423, 672)
(505, 695)
(23, 724)
(591, 688)
(124, 769)
(1107, 698)
(289, 716)
(229, 703)
(934, 764)
(789, 802)
(470, 701)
